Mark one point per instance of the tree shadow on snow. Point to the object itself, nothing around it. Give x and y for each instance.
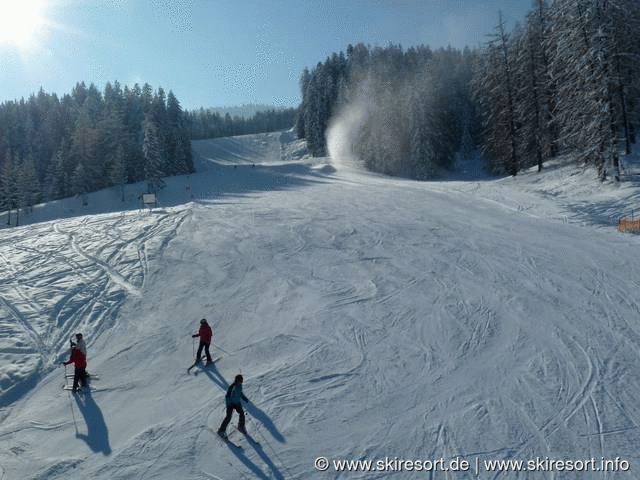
(243, 179)
(97, 436)
(603, 213)
(211, 182)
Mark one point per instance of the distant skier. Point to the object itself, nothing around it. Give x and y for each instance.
(80, 344)
(80, 372)
(205, 333)
(233, 401)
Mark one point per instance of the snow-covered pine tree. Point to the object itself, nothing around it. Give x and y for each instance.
(28, 185)
(111, 138)
(80, 181)
(60, 172)
(153, 158)
(585, 60)
(8, 185)
(178, 142)
(301, 129)
(85, 149)
(494, 87)
(420, 148)
(118, 173)
(622, 18)
(532, 87)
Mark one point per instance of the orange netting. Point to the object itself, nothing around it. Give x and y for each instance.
(629, 224)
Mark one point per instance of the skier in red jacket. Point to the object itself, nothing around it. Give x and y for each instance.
(80, 372)
(205, 333)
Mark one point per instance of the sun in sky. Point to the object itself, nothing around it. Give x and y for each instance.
(21, 22)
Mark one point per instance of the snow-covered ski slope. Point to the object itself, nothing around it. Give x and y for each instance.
(372, 318)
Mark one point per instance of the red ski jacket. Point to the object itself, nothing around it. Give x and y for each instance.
(77, 358)
(205, 333)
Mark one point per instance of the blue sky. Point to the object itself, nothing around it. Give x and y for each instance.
(216, 53)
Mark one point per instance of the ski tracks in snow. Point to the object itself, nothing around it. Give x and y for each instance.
(90, 266)
(104, 266)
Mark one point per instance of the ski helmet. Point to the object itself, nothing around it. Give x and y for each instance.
(203, 321)
(238, 378)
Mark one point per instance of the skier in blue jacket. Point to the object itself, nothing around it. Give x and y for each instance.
(233, 401)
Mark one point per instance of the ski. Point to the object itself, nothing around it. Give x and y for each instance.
(80, 390)
(193, 365)
(249, 438)
(226, 440)
(93, 376)
(197, 362)
(203, 365)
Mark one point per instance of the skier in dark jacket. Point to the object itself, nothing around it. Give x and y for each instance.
(80, 372)
(233, 401)
(205, 333)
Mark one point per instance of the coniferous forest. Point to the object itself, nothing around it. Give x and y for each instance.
(52, 148)
(205, 123)
(565, 81)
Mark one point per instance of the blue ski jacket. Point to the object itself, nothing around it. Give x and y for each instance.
(234, 394)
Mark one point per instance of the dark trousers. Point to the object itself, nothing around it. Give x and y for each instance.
(230, 408)
(79, 376)
(206, 351)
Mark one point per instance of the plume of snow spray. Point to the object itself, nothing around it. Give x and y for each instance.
(343, 131)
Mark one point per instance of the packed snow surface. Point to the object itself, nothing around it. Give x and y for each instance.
(373, 319)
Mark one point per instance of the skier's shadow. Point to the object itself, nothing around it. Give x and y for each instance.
(216, 377)
(97, 436)
(265, 458)
(259, 415)
(252, 466)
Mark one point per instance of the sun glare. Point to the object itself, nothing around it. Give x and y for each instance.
(20, 22)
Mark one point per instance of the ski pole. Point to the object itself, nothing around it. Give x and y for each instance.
(73, 415)
(193, 347)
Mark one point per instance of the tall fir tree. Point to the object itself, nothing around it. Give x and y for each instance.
(494, 87)
(153, 156)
